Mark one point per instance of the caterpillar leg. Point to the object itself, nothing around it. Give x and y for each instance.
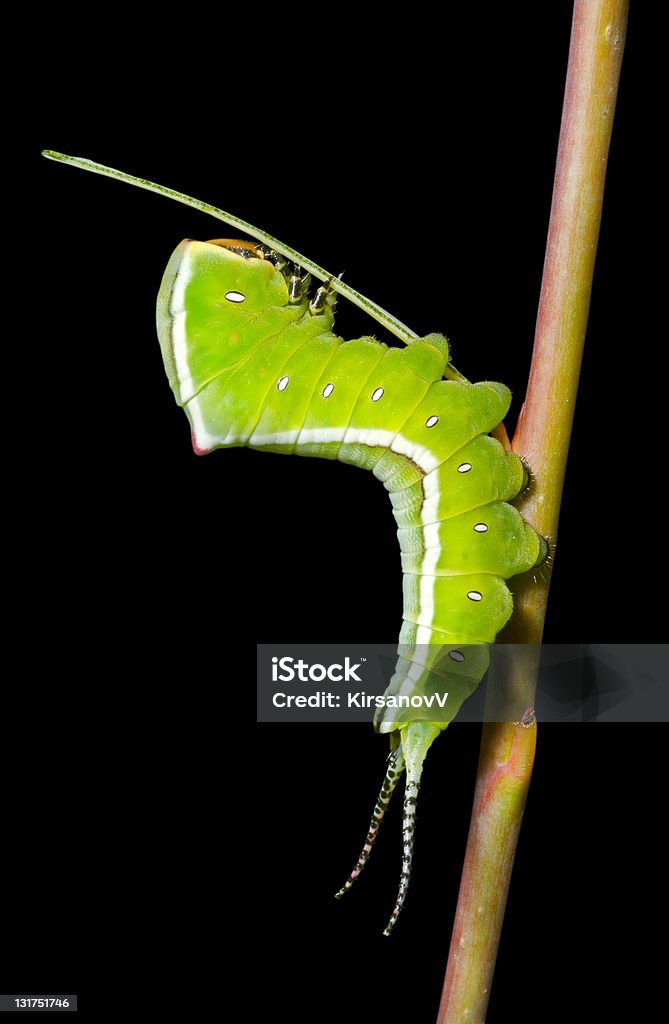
(393, 774)
(325, 296)
(297, 285)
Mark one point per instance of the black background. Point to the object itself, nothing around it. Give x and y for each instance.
(156, 841)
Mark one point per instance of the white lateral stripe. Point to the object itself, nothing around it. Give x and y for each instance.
(431, 534)
(328, 435)
(430, 509)
(425, 615)
(184, 274)
(413, 676)
(428, 512)
(180, 350)
(333, 435)
(203, 438)
(423, 636)
(431, 485)
(424, 458)
(280, 437)
(371, 438)
(177, 311)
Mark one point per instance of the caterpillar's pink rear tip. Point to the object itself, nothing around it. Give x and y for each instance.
(196, 447)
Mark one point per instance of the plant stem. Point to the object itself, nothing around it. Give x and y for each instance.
(542, 437)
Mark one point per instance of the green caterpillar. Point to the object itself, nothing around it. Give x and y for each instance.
(254, 361)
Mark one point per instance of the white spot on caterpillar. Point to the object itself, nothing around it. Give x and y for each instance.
(235, 297)
(432, 421)
(283, 384)
(481, 528)
(475, 595)
(456, 655)
(464, 467)
(327, 390)
(377, 394)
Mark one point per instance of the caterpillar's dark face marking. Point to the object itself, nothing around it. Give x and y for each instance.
(245, 249)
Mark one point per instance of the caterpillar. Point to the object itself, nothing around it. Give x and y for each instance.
(252, 358)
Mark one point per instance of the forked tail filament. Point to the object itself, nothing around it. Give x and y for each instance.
(408, 830)
(393, 774)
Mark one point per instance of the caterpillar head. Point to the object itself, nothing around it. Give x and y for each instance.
(214, 305)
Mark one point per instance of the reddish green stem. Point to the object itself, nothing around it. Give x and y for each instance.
(542, 437)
